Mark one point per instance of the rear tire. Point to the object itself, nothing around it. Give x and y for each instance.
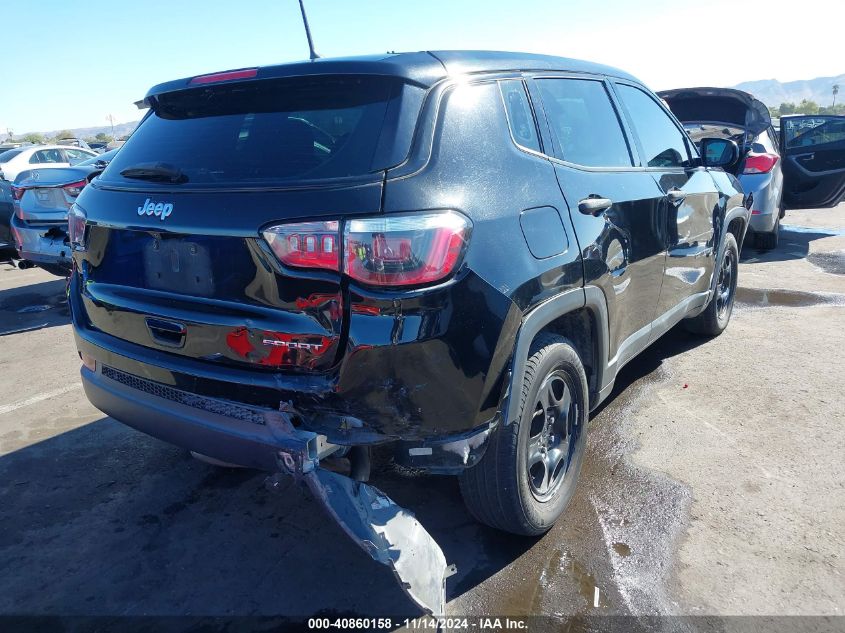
(769, 241)
(528, 473)
(717, 314)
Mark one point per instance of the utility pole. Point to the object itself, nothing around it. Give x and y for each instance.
(110, 119)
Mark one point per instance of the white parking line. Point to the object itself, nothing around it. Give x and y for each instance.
(8, 408)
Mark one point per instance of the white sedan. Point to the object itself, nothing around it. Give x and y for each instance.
(14, 161)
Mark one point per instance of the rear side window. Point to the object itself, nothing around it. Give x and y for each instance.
(520, 117)
(47, 156)
(8, 155)
(76, 155)
(264, 131)
(808, 131)
(584, 122)
(662, 141)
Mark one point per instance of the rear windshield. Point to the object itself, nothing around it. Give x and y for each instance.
(8, 155)
(698, 131)
(263, 131)
(104, 158)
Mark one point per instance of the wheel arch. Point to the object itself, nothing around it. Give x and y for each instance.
(580, 315)
(736, 223)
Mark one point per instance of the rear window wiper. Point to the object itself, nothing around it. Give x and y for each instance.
(160, 172)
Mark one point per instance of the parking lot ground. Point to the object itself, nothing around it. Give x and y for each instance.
(714, 483)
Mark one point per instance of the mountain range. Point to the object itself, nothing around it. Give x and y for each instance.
(773, 92)
(120, 130)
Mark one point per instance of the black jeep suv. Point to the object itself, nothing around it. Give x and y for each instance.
(450, 253)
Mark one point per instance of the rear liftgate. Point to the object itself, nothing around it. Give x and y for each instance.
(386, 531)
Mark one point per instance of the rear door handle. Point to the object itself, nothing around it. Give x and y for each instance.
(594, 205)
(675, 195)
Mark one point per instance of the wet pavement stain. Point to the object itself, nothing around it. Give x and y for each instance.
(561, 587)
(612, 552)
(29, 302)
(795, 228)
(764, 297)
(622, 549)
(39, 306)
(833, 263)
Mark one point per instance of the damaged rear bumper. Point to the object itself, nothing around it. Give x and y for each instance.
(43, 244)
(268, 440)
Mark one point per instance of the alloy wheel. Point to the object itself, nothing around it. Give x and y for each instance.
(726, 286)
(553, 435)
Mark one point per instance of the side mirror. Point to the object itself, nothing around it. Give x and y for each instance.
(718, 152)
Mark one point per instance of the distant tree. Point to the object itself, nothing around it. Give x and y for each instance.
(102, 137)
(64, 134)
(786, 108)
(34, 137)
(808, 107)
(834, 109)
(835, 92)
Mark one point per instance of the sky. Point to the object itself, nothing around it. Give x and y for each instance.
(71, 63)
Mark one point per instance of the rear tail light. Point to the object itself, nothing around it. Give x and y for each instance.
(76, 225)
(17, 194)
(404, 250)
(306, 245)
(75, 188)
(760, 163)
(394, 250)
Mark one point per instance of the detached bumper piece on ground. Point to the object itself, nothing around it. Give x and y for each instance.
(386, 531)
(239, 434)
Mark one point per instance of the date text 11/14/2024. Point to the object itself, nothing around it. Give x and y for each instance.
(423, 623)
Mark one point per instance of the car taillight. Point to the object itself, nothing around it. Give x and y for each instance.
(17, 192)
(75, 188)
(306, 244)
(393, 250)
(76, 224)
(760, 163)
(404, 250)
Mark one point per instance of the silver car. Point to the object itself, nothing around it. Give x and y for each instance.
(41, 199)
(14, 161)
(5, 216)
(737, 115)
